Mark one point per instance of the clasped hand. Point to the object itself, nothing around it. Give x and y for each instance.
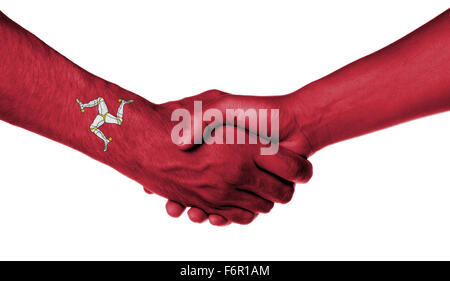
(226, 183)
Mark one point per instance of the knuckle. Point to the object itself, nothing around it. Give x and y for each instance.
(307, 171)
(213, 93)
(286, 195)
(234, 175)
(266, 207)
(210, 197)
(294, 167)
(220, 195)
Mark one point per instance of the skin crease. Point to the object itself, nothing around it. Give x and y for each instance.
(406, 80)
(222, 183)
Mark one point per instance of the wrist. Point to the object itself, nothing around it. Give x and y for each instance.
(311, 116)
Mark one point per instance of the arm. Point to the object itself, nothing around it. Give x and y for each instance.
(405, 80)
(39, 90)
(44, 92)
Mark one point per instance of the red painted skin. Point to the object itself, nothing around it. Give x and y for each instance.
(39, 88)
(406, 80)
(403, 81)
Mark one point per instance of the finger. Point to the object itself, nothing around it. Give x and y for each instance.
(237, 215)
(250, 201)
(287, 165)
(147, 190)
(271, 187)
(197, 215)
(218, 220)
(174, 209)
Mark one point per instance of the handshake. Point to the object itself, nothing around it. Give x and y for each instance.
(226, 157)
(213, 154)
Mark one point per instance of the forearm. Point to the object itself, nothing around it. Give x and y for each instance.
(42, 91)
(39, 88)
(408, 79)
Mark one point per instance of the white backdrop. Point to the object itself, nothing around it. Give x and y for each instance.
(380, 196)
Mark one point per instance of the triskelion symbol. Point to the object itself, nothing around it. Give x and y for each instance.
(104, 116)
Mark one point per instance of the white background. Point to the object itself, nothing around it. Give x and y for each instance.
(381, 196)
